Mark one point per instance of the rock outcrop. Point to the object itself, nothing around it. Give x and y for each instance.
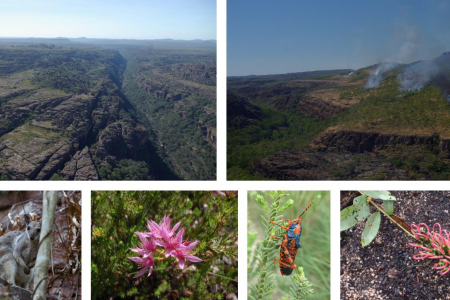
(360, 142)
(304, 165)
(241, 113)
(80, 167)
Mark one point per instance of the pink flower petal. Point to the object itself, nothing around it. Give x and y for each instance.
(136, 259)
(193, 258)
(160, 243)
(179, 236)
(150, 271)
(176, 227)
(181, 263)
(191, 245)
(141, 272)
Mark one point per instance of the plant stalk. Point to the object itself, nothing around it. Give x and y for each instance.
(369, 199)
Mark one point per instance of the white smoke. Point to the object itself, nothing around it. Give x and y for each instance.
(349, 74)
(409, 37)
(376, 77)
(415, 76)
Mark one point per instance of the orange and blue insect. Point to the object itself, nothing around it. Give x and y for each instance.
(290, 243)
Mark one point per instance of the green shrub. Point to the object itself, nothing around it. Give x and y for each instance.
(116, 216)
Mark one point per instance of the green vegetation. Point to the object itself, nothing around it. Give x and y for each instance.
(182, 121)
(116, 216)
(336, 114)
(126, 169)
(279, 130)
(314, 254)
(151, 118)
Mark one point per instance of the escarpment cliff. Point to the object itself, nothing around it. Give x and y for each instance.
(386, 121)
(65, 117)
(360, 142)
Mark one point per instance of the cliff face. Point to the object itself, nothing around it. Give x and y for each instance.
(393, 115)
(306, 165)
(241, 113)
(61, 124)
(360, 142)
(174, 90)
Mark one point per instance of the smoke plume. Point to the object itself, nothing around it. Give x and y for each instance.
(376, 76)
(415, 76)
(409, 38)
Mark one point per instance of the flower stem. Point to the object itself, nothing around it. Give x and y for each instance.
(369, 199)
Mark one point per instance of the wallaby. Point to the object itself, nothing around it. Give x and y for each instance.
(18, 251)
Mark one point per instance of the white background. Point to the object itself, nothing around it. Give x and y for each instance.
(222, 184)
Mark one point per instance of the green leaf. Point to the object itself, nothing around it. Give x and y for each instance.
(383, 195)
(286, 206)
(251, 237)
(347, 218)
(362, 208)
(262, 202)
(388, 206)
(371, 229)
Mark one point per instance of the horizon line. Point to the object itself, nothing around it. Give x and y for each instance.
(94, 38)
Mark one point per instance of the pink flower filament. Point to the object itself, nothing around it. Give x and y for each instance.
(433, 245)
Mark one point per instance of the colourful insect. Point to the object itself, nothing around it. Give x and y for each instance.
(290, 243)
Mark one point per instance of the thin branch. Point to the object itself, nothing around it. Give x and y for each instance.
(370, 200)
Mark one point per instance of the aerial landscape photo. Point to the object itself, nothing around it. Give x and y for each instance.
(338, 91)
(115, 91)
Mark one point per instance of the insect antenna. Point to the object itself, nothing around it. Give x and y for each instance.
(306, 208)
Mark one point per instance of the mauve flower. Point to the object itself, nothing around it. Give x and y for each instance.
(156, 229)
(434, 245)
(162, 235)
(148, 246)
(146, 262)
(170, 243)
(182, 254)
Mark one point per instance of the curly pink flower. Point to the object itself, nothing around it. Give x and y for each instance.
(433, 245)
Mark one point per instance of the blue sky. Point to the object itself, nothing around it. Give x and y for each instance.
(132, 19)
(276, 37)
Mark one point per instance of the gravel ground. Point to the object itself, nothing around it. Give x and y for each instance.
(385, 269)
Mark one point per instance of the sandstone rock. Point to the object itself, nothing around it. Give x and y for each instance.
(360, 142)
(81, 167)
(304, 165)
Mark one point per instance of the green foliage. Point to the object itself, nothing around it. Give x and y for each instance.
(266, 252)
(116, 216)
(262, 249)
(56, 177)
(383, 195)
(300, 286)
(360, 210)
(421, 116)
(182, 120)
(126, 169)
(279, 130)
(371, 229)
